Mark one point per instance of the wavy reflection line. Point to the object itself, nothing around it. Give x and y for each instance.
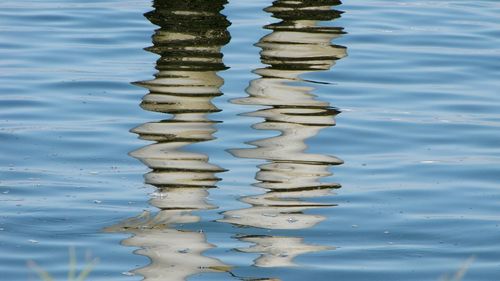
(296, 46)
(189, 42)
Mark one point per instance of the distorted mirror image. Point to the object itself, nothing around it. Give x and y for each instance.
(203, 140)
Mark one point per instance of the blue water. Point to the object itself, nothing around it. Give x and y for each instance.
(210, 154)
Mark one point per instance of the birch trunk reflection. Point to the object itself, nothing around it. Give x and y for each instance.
(296, 46)
(189, 43)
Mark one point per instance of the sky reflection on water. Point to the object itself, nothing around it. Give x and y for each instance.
(238, 151)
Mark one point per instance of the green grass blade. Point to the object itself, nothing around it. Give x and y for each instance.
(86, 271)
(44, 275)
(72, 264)
(459, 275)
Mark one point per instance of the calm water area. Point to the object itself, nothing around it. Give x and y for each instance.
(221, 140)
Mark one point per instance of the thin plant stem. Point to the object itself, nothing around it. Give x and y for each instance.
(72, 264)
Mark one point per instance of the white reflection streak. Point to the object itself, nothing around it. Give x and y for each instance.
(189, 43)
(297, 46)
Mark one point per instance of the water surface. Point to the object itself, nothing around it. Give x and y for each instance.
(284, 140)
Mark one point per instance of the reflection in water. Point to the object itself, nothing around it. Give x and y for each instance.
(278, 251)
(189, 42)
(297, 45)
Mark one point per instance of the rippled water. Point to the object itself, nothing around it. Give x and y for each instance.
(239, 114)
